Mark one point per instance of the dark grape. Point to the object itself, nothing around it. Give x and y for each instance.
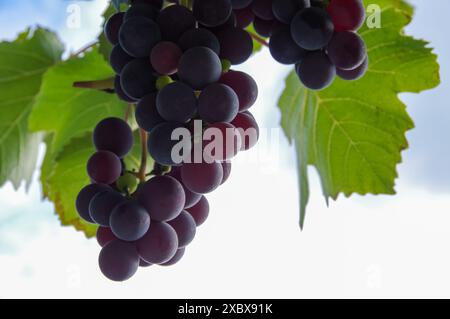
(155, 3)
(316, 70)
(165, 57)
(159, 245)
(129, 221)
(285, 10)
(244, 17)
(120, 92)
(114, 135)
(119, 58)
(163, 197)
(226, 166)
(283, 48)
(147, 115)
(200, 211)
(174, 21)
(244, 86)
(175, 259)
(177, 102)
(199, 38)
(185, 228)
(138, 79)
(236, 45)
(346, 50)
(84, 199)
(199, 67)
(141, 10)
(119, 260)
(240, 4)
(218, 103)
(347, 15)
(223, 141)
(265, 28)
(138, 35)
(105, 236)
(112, 27)
(212, 13)
(160, 143)
(191, 197)
(102, 205)
(202, 177)
(144, 264)
(263, 9)
(312, 28)
(354, 74)
(104, 167)
(248, 128)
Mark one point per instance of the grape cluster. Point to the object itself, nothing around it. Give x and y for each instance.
(318, 36)
(173, 64)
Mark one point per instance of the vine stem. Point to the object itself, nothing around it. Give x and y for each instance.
(128, 111)
(104, 84)
(259, 39)
(83, 49)
(144, 156)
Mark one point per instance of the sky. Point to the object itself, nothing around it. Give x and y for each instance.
(251, 247)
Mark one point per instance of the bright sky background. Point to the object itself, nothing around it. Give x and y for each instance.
(251, 246)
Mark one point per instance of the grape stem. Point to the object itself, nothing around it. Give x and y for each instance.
(105, 84)
(143, 168)
(83, 49)
(259, 39)
(128, 111)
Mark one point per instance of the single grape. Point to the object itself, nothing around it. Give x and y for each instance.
(199, 67)
(138, 35)
(248, 129)
(185, 228)
(112, 27)
(223, 141)
(177, 102)
(175, 259)
(120, 92)
(226, 166)
(244, 17)
(212, 13)
(244, 86)
(141, 10)
(104, 167)
(138, 79)
(159, 244)
(119, 260)
(127, 183)
(240, 4)
(199, 38)
(200, 211)
(285, 10)
(129, 221)
(283, 48)
(174, 21)
(218, 103)
(84, 199)
(163, 197)
(354, 74)
(104, 236)
(114, 135)
(147, 115)
(347, 15)
(161, 144)
(165, 57)
(346, 50)
(231, 22)
(263, 9)
(102, 205)
(265, 28)
(312, 28)
(191, 197)
(202, 177)
(118, 58)
(316, 70)
(236, 45)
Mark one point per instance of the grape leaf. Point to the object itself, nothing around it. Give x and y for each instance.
(70, 112)
(22, 65)
(353, 132)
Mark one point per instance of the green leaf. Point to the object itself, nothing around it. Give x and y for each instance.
(353, 132)
(22, 65)
(70, 112)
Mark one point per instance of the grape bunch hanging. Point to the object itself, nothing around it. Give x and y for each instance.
(173, 63)
(318, 36)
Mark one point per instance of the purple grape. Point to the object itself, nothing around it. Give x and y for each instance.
(112, 27)
(226, 166)
(244, 17)
(177, 102)
(175, 259)
(147, 115)
(104, 167)
(354, 74)
(119, 260)
(165, 58)
(141, 10)
(174, 21)
(160, 143)
(120, 92)
(203, 177)
(312, 28)
(283, 48)
(114, 135)
(200, 211)
(105, 236)
(118, 58)
(138, 79)
(102, 205)
(199, 38)
(244, 86)
(138, 35)
(263, 9)
(191, 197)
(218, 103)
(285, 10)
(346, 50)
(185, 228)
(159, 245)
(316, 71)
(129, 221)
(236, 45)
(84, 199)
(212, 13)
(248, 128)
